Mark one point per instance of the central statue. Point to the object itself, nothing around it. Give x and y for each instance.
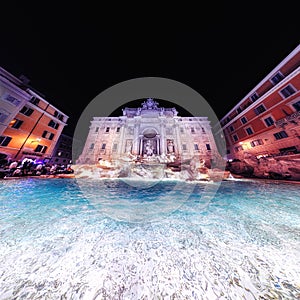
(149, 148)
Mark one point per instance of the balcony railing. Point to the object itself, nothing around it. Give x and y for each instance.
(288, 119)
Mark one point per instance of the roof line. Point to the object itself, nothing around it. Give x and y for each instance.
(283, 62)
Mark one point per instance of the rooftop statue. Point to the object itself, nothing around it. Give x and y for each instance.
(175, 112)
(150, 104)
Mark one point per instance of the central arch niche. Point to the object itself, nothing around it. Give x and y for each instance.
(150, 143)
(149, 133)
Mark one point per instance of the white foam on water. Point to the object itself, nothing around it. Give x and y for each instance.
(121, 261)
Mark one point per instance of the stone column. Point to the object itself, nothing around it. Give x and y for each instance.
(191, 140)
(141, 145)
(177, 142)
(122, 139)
(157, 146)
(135, 145)
(163, 136)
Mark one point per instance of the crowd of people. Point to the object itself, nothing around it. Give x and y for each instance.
(30, 167)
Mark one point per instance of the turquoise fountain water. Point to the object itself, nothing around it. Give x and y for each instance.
(59, 241)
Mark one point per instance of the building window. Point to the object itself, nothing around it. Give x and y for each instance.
(40, 148)
(11, 99)
(269, 121)
(58, 115)
(254, 97)
(235, 137)
(256, 143)
(208, 147)
(239, 148)
(26, 111)
(184, 148)
(196, 147)
(288, 150)
(35, 101)
(92, 146)
(4, 140)
(53, 124)
(280, 135)
(15, 123)
(288, 91)
(192, 130)
(3, 115)
(48, 135)
(296, 106)
(181, 130)
(118, 129)
(249, 130)
(115, 147)
(103, 146)
(97, 129)
(231, 128)
(203, 130)
(277, 78)
(239, 110)
(107, 129)
(243, 120)
(259, 109)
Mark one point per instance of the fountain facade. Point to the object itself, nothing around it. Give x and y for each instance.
(147, 139)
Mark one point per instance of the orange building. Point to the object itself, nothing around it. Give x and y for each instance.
(266, 122)
(29, 125)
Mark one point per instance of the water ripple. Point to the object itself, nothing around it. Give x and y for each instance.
(64, 248)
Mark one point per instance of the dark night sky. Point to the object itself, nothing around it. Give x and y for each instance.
(71, 54)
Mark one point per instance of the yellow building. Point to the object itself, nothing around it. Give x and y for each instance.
(29, 125)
